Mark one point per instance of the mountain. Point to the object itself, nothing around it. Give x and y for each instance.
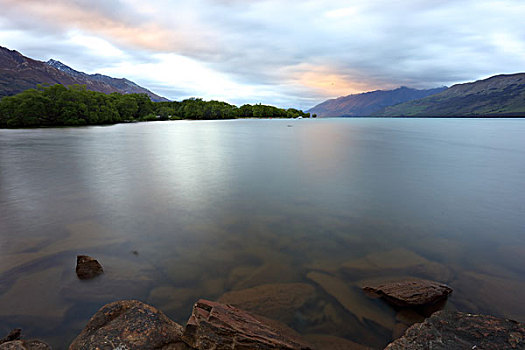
(19, 73)
(369, 103)
(499, 95)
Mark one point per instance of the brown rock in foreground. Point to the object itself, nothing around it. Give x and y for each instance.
(217, 326)
(450, 330)
(24, 345)
(128, 324)
(415, 292)
(87, 267)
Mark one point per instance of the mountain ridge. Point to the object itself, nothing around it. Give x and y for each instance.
(19, 73)
(498, 95)
(369, 103)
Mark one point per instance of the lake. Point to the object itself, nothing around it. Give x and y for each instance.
(291, 217)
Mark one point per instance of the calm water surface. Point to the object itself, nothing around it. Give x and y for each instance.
(309, 209)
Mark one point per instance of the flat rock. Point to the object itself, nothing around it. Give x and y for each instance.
(278, 301)
(452, 330)
(88, 267)
(415, 292)
(128, 324)
(25, 345)
(218, 326)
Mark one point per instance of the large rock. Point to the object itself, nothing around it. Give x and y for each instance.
(415, 292)
(87, 267)
(25, 345)
(128, 324)
(279, 301)
(451, 330)
(218, 326)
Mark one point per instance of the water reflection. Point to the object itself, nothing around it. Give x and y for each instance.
(254, 210)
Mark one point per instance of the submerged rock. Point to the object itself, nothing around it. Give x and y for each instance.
(91, 234)
(244, 277)
(451, 330)
(399, 330)
(330, 342)
(353, 300)
(36, 299)
(25, 345)
(124, 278)
(415, 292)
(487, 294)
(395, 262)
(129, 324)
(217, 326)
(171, 299)
(409, 317)
(279, 301)
(87, 267)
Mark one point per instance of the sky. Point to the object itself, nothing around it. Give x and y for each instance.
(288, 53)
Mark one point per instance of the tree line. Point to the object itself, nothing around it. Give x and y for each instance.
(58, 105)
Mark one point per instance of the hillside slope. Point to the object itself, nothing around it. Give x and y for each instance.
(369, 103)
(19, 73)
(499, 95)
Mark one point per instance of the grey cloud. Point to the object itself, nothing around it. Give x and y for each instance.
(380, 44)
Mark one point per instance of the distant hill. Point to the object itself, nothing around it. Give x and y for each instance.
(19, 73)
(369, 103)
(500, 95)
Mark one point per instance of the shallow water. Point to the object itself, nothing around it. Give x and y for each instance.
(308, 209)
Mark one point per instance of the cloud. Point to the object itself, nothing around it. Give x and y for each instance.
(290, 52)
(97, 17)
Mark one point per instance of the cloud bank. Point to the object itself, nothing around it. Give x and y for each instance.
(292, 53)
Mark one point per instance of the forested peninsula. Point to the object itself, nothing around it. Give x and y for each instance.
(58, 105)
